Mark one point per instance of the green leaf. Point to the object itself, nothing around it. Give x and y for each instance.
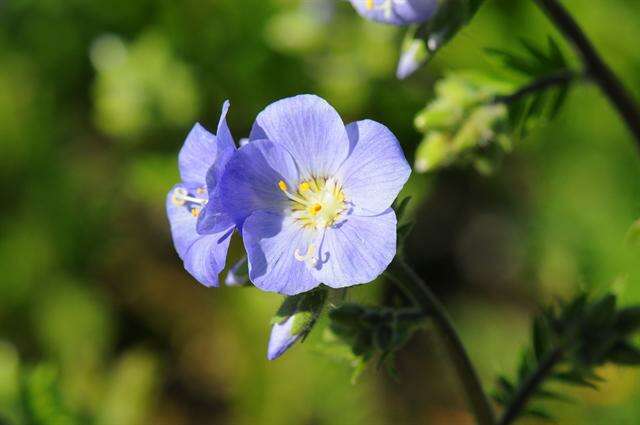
(628, 320)
(401, 208)
(624, 353)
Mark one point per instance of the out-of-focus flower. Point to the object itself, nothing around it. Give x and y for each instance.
(313, 197)
(294, 320)
(396, 12)
(463, 124)
(201, 233)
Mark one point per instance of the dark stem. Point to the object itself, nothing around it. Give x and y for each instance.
(542, 83)
(530, 385)
(429, 303)
(595, 67)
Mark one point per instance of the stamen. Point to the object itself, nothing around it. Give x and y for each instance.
(309, 256)
(314, 209)
(283, 187)
(304, 186)
(195, 212)
(369, 4)
(181, 196)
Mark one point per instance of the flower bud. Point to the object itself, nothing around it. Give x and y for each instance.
(238, 274)
(294, 320)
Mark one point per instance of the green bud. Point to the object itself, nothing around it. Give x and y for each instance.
(480, 128)
(433, 152)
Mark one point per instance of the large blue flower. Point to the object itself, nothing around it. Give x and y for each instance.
(396, 12)
(201, 231)
(313, 197)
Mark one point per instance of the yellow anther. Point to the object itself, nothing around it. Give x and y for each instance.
(315, 209)
(200, 190)
(369, 4)
(282, 185)
(195, 212)
(304, 186)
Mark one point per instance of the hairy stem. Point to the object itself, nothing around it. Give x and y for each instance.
(410, 282)
(595, 67)
(530, 385)
(542, 83)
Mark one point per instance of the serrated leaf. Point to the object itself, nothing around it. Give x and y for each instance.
(624, 353)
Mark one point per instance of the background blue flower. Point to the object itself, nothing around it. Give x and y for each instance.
(201, 234)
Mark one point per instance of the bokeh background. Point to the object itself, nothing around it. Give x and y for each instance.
(100, 324)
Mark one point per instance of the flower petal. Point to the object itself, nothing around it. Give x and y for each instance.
(271, 241)
(183, 223)
(357, 250)
(201, 150)
(376, 169)
(250, 181)
(309, 129)
(396, 12)
(204, 256)
(207, 256)
(281, 338)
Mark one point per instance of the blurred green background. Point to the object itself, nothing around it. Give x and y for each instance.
(100, 324)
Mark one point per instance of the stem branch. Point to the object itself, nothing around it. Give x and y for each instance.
(595, 66)
(542, 83)
(430, 304)
(529, 386)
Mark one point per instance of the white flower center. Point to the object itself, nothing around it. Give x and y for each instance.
(317, 204)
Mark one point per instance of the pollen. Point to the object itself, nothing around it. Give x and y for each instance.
(319, 203)
(195, 212)
(369, 4)
(304, 186)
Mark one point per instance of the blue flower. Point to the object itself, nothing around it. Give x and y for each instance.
(201, 232)
(281, 338)
(396, 12)
(313, 197)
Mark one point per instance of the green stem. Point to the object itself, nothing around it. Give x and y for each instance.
(530, 385)
(540, 84)
(594, 65)
(430, 304)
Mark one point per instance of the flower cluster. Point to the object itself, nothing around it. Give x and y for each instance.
(310, 196)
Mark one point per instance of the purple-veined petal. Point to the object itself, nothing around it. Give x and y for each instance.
(271, 241)
(309, 129)
(182, 221)
(213, 217)
(396, 12)
(204, 256)
(197, 155)
(376, 169)
(207, 256)
(281, 338)
(357, 250)
(250, 181)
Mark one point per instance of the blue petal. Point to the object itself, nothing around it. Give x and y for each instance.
(204, 256)
(402, 12)
(183, 223)
(309, 129)
(409, 63)
(271, 241)
(250, 182)
(214, 218)
(197, 155)
(376, 169)
(281, 339)
(357, 250)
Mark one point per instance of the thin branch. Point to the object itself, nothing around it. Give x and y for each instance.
(530, 385)
(464, 368)
(595, 66)
(540, 84)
